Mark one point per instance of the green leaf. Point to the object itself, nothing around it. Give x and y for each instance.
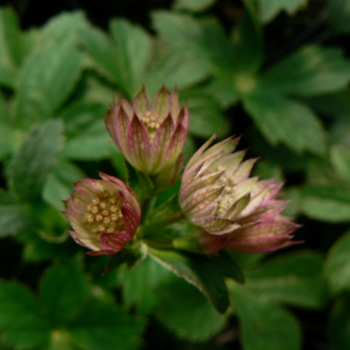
(227, 266)
(89, 147)
(180, 30)
(7, 137)
(293, 195)
(187, 313)
(87, 137)
(184, 58)
(36, 249)
(63, 27)
(206, 116)
(106, 326)
(59, 340)
(326, 203)
(63, 291)
(325, 209)
(139, 285)
(21, 317)
(59, 184)
(340, 158)
(49, 73)
(309, 71)
(270, 8)
(339, 16)
(178, 68)
(293, 278)
(133, 54)
(102, 50)
(265, 326)
(124, 59)
(197, 270)
(247, 45)
(193, 5)
(10, 47)
(283, 120)
(339, 324)
(35, 159)
(80, 118)
(13, 218)
(223, 89)
(337, 265)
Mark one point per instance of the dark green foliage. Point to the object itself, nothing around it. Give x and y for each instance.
(287, 95)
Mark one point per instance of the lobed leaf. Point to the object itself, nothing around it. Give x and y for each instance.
(309, 71)
(106, 326)
(293, 278)
(270, 8)
(264, 325)
(339, 16)
(50, 72)
(21, 317)
(283, 120)
(11, 47)
(197, 270)
(193, 5)
(337, 265)
(64, 291)
(187, 313)
(35, 159)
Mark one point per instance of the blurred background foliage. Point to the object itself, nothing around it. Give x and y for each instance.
(276, 72)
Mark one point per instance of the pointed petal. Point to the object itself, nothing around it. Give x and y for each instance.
(141, 103)
(126, 106)
(215, 225)
(271, 228)
(174, 103)
(262, 244)
(243, 171)
(176, 144)
(113, 242)
(199, 182)
(161, 103)
(138, 144)
(117, 123)
(131, 219)
(200, 199)
(264, 212)
(238, 206)
(160, 144)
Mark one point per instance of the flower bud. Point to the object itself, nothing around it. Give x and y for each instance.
(230, 209)
(150, 135)
(104, 214)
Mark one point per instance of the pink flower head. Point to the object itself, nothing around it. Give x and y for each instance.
(103, 213)
(150, 135)
(230, 209)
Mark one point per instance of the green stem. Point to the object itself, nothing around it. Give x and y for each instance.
(162, 223)
(53, 239)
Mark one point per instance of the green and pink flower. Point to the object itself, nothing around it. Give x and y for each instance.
(104, 214)
(151, 135)
(230, 209)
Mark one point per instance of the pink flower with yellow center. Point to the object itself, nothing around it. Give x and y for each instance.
(230, 209)
(150, 135)
(104, 214)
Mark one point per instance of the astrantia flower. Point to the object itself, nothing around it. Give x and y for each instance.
(103, 213)
(150, 135)
(230, 209)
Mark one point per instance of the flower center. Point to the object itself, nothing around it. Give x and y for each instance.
(151, 122)
(103, 214)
